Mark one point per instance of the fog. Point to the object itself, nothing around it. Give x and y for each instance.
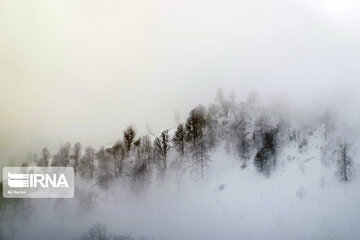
(84, 71)
(300, 201)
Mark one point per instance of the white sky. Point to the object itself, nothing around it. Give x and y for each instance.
(84, 70)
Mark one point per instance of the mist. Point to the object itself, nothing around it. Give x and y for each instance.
(70, 67)
(87, 71)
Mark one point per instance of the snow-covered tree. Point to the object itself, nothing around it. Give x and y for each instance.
(328, 120)
(201, 158)
(241, 139)
(76, 155)
(105, 167)
(223, 103)
(45, 158)
(117, 152)
(87, 163)
(210, 131)
(344, 161)
(62, 158)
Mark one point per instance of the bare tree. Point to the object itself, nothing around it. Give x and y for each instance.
(87, 163)
(162, 145)
(145, 150)
(141, 171)
(111, 154)
(201, 158)
(62, 158)
(242, 140)
(66, 149)
(211, 127)
(119, 155)
(104, 169)
(76, 155)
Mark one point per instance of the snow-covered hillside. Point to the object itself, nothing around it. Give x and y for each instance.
(232, 171)
(302, 199)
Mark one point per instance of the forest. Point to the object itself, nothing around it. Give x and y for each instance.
(256, 136)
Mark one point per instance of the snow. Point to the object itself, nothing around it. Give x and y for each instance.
(302, 199)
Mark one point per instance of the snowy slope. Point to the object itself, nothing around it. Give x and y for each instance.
(302, 199)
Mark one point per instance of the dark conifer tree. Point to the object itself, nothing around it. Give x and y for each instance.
(344, 162)
(195, 125)
(129, 137)
(179, 139)
(265, 157)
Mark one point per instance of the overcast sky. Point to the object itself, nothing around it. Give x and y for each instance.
(84, 70)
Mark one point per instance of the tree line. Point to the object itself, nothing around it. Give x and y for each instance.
(254, 133)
